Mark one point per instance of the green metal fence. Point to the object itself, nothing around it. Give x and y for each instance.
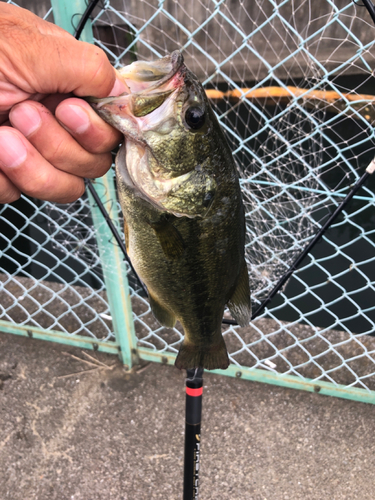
(292, 86)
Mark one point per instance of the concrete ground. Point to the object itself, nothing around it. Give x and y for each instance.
(104, 434)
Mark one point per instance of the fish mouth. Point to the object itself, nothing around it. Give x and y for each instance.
(142, 76)
(146, 77)
(149, 83)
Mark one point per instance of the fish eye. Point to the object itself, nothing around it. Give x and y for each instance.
(195, 117)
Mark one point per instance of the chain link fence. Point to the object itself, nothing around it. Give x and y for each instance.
(292, 84)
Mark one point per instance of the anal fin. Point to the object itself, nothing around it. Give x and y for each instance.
(239, 304)
(161, 313)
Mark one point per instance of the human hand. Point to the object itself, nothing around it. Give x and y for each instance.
(50, 141)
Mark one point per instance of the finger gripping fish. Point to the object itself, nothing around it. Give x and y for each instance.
(181, 200)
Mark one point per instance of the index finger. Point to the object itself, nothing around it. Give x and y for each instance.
(18, 161)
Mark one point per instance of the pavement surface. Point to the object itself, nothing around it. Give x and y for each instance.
(71, 430)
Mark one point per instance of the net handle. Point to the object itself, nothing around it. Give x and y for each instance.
(370, 8)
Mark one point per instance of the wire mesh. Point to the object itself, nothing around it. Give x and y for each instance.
(41, 285)
(291, 83)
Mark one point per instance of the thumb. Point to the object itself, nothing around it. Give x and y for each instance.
(39, 57)
(89, 72)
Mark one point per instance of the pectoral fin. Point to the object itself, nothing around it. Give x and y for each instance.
(169, 238)
(239, 304)
(161, 313)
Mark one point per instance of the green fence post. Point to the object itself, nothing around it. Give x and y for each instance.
(114, 269)
(66, 11)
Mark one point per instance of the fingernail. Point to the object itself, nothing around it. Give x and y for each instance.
(25, 118)
(73, 117)
(119, 87)
(12, 150)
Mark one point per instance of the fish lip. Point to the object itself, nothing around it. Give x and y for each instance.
(97, 101)
(177, 62)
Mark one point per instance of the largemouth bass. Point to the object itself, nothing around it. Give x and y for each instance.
(181, 200)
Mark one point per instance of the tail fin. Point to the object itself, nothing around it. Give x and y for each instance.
(210, 357)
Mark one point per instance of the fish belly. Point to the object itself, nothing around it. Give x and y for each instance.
(192, 287)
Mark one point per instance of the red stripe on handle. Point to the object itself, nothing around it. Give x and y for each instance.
(194, 392)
